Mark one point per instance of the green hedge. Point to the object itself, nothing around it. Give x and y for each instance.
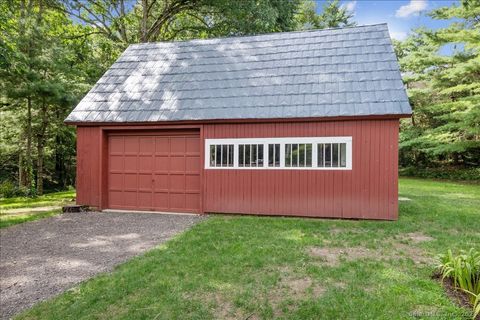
(450, 173)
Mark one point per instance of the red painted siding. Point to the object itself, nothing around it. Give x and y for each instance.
(368, 191)
(89, 160)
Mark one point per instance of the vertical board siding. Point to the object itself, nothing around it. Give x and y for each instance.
(368, 191)
(88, 166)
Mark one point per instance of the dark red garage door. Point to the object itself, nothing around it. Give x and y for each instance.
(154, 172)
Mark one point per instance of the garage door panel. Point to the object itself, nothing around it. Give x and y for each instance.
(177, 183)
(131, 145)
(130, 198)
(115, 198)
(130, 164)
(116, 145)
(161, 182)
(192, 145)
(145, 200)
(160, 201)
(177, 146)
(162, 146)
(152, 172)
(145, 182)
(116, 163)
(116, 181)
(162, 163)
(145, 164)
(177, 201)
(192, 183)
(130, 182)
(177, 164)
(146, 145)
(192, 164)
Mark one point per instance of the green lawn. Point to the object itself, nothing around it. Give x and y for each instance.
(49, 199)
(237, 267)
(24, 208)
(7, 220)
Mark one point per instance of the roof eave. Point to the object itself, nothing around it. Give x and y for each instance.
(252, 120)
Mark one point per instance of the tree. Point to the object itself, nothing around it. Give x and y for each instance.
(154, 20)
(444, 90)
(40, 77)
(333, 16)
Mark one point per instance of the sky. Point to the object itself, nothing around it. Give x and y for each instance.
(401, 15)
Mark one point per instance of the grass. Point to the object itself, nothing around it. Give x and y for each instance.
(7, 220)
(25, 207)
(241, 267)
(50, 199)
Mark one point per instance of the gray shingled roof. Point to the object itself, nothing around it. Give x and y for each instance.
(318, 73)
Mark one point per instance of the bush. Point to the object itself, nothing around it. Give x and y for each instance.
(450, 173)
(464, 271)
(9, 190)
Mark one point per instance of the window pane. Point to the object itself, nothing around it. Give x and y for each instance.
(271, 155)
(218, 156)
(253, 155)
(335, 155)
(328, 155)
(294, 155)
(320, 154)
(301, 155)
(230, 155)
(343, 155)
(309, 155)
(277, 155)
(212, 156)
(288, 155)
(240, 155)
(260, 155)
(247, 155)
(224, 155)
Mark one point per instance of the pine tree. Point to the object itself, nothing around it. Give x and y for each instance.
(444, 90)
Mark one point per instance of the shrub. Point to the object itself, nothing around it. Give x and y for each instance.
(464, 271)
(8, 190)
(450, 173)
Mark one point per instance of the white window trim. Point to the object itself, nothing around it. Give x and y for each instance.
(282, 141)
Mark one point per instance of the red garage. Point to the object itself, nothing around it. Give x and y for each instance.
(297, 123)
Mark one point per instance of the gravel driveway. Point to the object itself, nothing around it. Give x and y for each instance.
(43, 258)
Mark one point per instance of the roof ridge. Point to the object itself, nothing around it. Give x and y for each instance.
(257, 35)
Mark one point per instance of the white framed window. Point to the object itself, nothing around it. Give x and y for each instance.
(302, 153)
(221, 155)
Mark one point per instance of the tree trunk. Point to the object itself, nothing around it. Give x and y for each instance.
(143, 23)
(28, 150)
(41, 147)
(40, 150)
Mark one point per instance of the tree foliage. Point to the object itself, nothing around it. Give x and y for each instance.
(444, 90)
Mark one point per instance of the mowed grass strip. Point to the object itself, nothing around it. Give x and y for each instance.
(7, 220)
(238, 267)
(50, 199)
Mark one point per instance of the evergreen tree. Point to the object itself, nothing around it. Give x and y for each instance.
(444, 90)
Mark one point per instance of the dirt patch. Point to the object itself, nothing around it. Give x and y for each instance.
(416, 254)
(335, 231)
(417, 237)
(224, 308)
(332, 256)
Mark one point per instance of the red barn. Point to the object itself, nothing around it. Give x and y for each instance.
(295, 123)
